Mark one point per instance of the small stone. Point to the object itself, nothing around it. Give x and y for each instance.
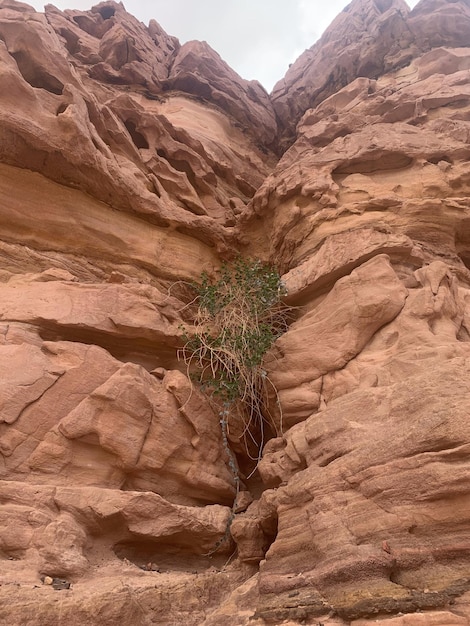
(59, 583)
(159, 372)
(47, 580)
(244, 499)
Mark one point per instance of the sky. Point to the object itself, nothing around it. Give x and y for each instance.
(257, 38)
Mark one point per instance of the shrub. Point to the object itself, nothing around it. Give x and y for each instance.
(238, 316)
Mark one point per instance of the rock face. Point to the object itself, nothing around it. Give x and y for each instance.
(129, 164)
(368, 39)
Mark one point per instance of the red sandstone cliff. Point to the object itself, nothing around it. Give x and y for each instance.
(129, 163)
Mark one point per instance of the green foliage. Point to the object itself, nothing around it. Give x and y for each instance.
(238, 317)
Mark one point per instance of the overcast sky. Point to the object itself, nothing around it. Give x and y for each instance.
(257, 38)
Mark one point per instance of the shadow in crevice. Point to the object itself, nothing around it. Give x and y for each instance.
(36, 75)
(462, 241)
(153, 555)
(145, 352)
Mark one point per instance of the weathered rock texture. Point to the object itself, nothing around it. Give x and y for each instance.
(128, 165)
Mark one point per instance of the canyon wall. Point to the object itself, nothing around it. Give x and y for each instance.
(129, 164)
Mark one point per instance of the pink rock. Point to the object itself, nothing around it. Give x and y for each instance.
(130, 165)
(328, 337)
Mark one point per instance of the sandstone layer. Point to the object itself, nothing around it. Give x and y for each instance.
(129, 164)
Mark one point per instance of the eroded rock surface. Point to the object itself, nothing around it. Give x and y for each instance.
(368, 39)
(129, 164)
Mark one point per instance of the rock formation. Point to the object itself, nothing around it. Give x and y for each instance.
(129, 164)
